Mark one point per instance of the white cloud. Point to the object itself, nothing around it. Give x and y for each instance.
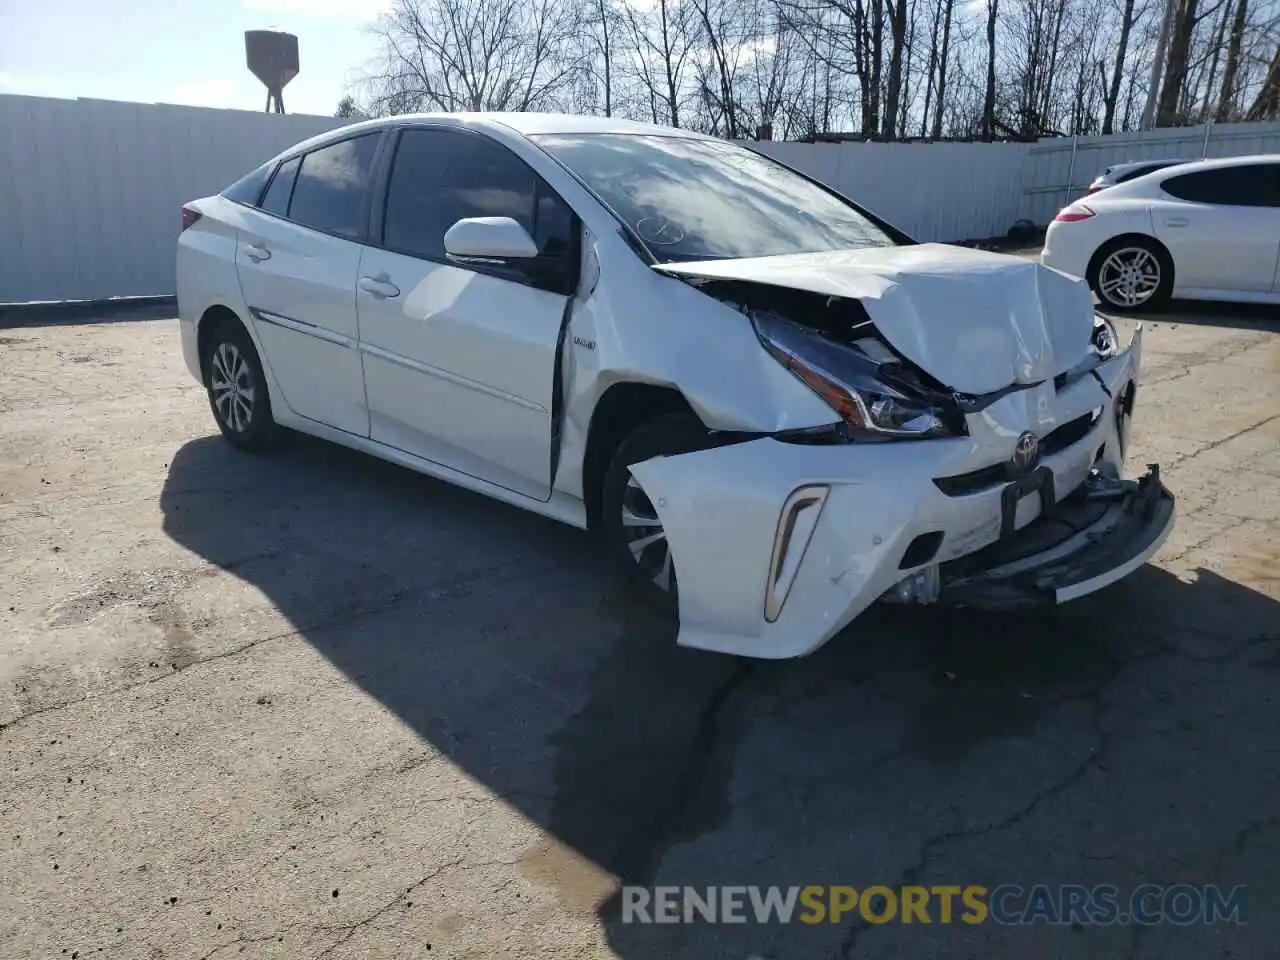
(357, 9)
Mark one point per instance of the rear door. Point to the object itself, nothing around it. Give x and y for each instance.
(460, 358)
(297, 258)
(1222, 227)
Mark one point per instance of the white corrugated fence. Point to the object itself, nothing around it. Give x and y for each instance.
(91, 190)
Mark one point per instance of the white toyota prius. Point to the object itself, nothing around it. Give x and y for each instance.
(772, 407)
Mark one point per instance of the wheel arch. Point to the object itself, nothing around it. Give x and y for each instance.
(622, 408)
(212, 320)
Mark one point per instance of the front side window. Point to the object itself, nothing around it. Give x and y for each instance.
(691, 199)
(439, 177)
(1248, 185)
(329, 192)
(276, 199)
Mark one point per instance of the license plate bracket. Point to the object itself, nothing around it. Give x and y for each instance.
(1039, 481)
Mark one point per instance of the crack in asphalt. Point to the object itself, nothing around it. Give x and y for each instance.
(1220, 441)
(237, 942)
(438, 591)
(640, 857)
(350, 930)
(1096, 758)
(911, 876)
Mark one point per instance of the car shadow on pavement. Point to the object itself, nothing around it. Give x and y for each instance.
(1204, 313)
(504, 643)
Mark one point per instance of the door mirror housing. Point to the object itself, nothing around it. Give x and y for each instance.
(492, 239)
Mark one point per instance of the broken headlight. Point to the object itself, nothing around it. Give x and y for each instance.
(853, 381)
(1105, 340)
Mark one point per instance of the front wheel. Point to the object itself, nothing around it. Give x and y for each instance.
(237, 389)
(630, 525)
(1132, 274)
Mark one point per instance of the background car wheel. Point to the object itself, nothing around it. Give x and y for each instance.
(1132, 273)
(237, 389)
(630, 526)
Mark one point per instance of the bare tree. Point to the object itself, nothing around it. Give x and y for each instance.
(1127, 19)
(599, 23)
(1231, 72)
(1266, 106)
(473, 54)
(883, 69)
(989, 98)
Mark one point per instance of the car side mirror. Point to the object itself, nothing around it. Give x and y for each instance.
(496, 239)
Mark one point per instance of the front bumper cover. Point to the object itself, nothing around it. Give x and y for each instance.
(1098, 535)
(724, 511)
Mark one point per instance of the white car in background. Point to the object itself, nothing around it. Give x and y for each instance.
(1119, 173)
(772, 407)
(1208, 230)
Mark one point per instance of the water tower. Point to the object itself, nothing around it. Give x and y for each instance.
(273, 58)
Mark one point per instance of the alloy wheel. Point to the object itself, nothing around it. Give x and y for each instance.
(1129, 277)
(645, 537)
(232, 387)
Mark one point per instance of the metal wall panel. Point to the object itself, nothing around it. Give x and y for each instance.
(91, 190)
(933, 191)
(1059, 170)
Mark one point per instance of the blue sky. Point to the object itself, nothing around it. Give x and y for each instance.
(180, 51)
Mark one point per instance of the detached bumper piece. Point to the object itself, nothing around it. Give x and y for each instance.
(1099, 534)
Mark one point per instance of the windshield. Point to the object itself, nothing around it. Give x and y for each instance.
(690, 199)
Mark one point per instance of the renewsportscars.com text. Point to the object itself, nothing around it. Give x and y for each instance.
(1009, 904)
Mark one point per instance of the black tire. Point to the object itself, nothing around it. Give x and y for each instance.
(1164, 281)
(242, 409)
(667, 435)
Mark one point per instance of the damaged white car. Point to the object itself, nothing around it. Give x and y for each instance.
(774, 408)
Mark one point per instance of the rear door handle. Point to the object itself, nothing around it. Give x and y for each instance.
(1176, 222)
(257, 252)
(379, 287)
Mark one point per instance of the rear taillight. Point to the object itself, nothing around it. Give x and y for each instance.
(189, 216)
(1074, 213)
(1092, 189)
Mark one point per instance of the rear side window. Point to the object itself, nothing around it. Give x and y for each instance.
(439, 177)
(1251, 185)
(331, 185)
(248, 188)
(276, 199)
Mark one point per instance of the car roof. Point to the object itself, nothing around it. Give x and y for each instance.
(524, 124)
(1135, 164)
(1191, 166)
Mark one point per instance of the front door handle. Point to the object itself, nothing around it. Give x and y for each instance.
(1176, 222)
(379, 287)
(257, 252)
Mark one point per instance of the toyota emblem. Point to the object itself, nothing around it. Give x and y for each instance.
(1025, 454)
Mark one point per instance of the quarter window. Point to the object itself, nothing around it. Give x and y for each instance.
(248, 188)
(331, 184)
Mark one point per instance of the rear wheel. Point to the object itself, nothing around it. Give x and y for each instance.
(237, 389)
(1132, 273)
(630, 525)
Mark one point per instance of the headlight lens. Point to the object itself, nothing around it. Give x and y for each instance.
(848, 380)
(1106, 342)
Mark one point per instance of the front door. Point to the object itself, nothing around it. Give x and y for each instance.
(1223, 228)
(459, 359)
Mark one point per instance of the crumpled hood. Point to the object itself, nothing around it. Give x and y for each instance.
(976, 321)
